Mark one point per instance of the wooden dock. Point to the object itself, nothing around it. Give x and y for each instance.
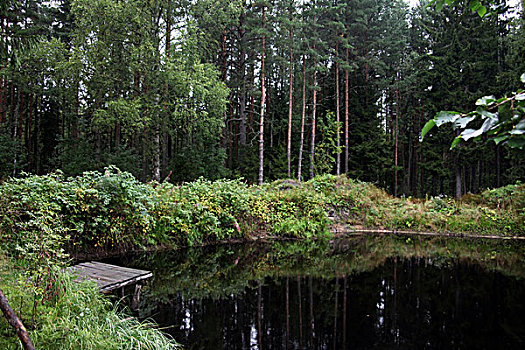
(111, 277)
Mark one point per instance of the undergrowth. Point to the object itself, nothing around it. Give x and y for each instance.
(113, 211)
(46, 219)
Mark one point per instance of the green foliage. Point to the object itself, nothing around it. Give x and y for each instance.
(88, 83)
(326, 149)
(510, 197)
(112, 211)
(482, 8)
(503, 120)
(98, 210)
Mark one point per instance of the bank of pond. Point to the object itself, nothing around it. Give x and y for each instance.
(272, 266)
(111, 211)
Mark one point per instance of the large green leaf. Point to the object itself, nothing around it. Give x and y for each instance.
(519, 129)
(486, 114)
(470, 133)
(428, 126)
(485, 100)
(498, 139)
(489, 124)
(444, 117)
(463, 122)
(482, 10)
(455, 142)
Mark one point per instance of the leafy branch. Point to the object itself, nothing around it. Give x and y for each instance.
(499, 127)
(484, 7)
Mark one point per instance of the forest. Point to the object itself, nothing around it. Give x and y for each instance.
(255, 89)
(135, 126)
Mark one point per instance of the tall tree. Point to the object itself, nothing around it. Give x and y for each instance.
(263, 98)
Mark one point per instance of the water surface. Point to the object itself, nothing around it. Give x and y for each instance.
(349, 294)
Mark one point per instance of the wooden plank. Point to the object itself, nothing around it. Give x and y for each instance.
(124, 272)
(109, 277)
(120, 284)
(115, 274)
(119, 268)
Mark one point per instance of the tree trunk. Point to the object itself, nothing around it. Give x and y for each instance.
(165, 148)
(145, 154)
(2, 81)
(242, 98)
(303, 117)
(458, 182)
(77, 111)
(224, 57)
(263, 98)
(410, 165)
(346, 113)
(37, 150)
(224, 69)
(314, 108)
(396, 143)
(498, 167)
(463, 179)
(12, 106)
(290, 107)
(337, 116)
(156, 149)
(15, 322)
(168, 28)
(15, 132)
(29, 127)
(242, 115)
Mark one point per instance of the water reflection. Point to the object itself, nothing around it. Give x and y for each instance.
(401, 301)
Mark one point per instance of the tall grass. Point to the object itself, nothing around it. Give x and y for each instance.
(80, 318)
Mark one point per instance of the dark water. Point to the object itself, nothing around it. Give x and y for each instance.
(339, 298)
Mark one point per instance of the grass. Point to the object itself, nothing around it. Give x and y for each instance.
(486, 214)
(78, 318)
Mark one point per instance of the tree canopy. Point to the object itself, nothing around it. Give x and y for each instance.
(213, 88)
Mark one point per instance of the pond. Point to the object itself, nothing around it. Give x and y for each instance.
(375, 292)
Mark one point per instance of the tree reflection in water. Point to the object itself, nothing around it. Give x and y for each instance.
(410, 296)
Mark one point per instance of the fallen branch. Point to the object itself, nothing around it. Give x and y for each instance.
(15, 322)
